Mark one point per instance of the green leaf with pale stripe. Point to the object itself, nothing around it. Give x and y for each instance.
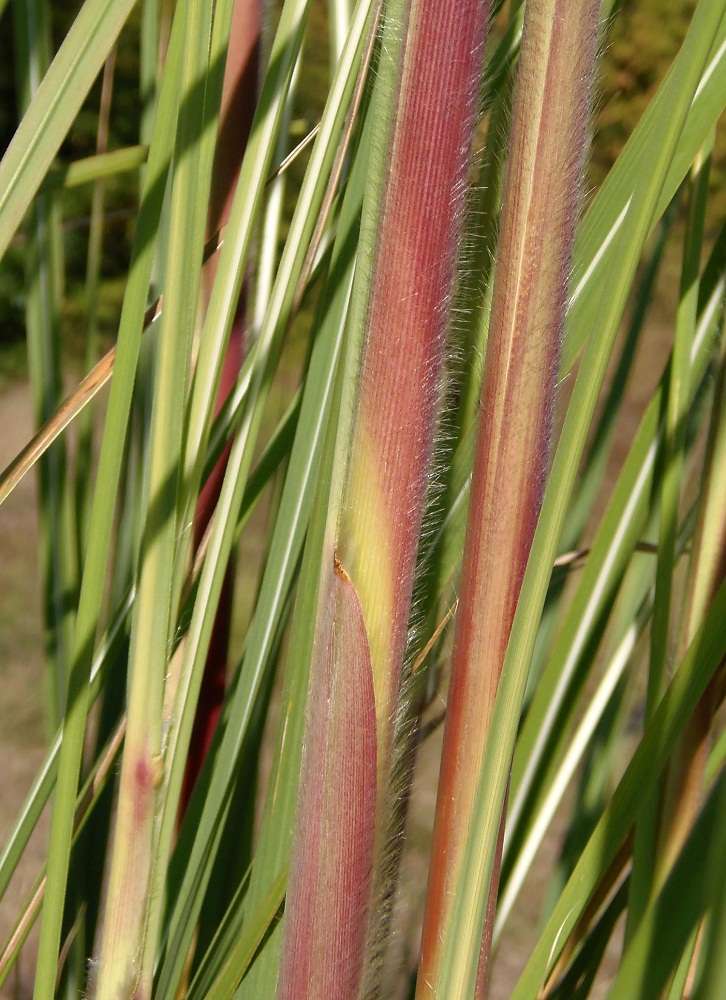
(596, 247)
(695, 671)
(55, 106)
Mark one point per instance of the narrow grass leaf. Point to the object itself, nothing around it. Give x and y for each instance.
(620, 526)
(646, 864)
(273, 850)
(104, 502)
(90, 169)
(247, 943)
(713, 970)
(54, 107)
(691, 678)
(666, 924)
(596, 249)
(126, 961)
(84, 448)
(294, 510)
(707, 568)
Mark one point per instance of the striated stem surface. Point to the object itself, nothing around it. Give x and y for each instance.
(412, 280)
(336, 812)
(383, 466)
(532, 268)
